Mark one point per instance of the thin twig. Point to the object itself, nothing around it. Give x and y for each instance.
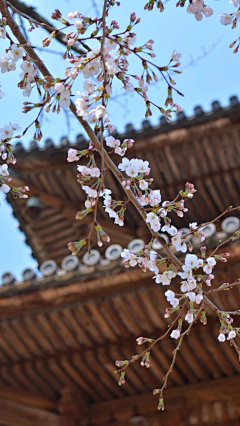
(162, 337)
(28, 12)
(175, 352)
(222, 287)
(228, 210)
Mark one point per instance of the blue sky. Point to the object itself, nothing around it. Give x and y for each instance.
(214, 76)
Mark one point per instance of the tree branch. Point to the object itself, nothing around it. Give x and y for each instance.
(30, 12)
(110, 164)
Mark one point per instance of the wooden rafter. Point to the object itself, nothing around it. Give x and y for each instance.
(185, 396)
(15, 414)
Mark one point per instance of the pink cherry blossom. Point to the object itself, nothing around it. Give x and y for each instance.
(175, 334)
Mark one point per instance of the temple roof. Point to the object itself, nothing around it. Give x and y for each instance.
(67, 331)
(61, 332)
(204, 149)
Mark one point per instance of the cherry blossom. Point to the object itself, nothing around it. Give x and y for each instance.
(154, 222)
(89, 191)
(165, 278)
(225, 18)
(129, 258)
(221, 337)
(176, 56)
(64, 100)
(175, 334)
(5, 188)
(4, 170)
(4, 64)
(189, 317)
(231, 335)
(79, 24)
(72, 155)
(15, 53)
(235, 3)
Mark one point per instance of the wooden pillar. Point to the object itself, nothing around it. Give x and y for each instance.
(67, 408)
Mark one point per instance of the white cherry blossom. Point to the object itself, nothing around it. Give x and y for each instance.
(4, 170)
(5, 188)
(154, 221)
(211, 261)
(225, 18)
(89, 191)
(59, 88)
(64, 100)
(72, 155)
(221, 337)
(170, 295)
(129, 257)
(124, 164)
(165, 278)
(6, 132)
(176, 56)
(79, 24)
(207, 269)
(132, 170)
(235, 3)
(193, 226)
(199, 298)
(191, 295)
(16, 52)
(231, 335)
(143, 184)
(4, 64)
(191, 261)
(176, 240)
(155, 197)
(100, 112)
(89, 86)
(27, 67)
(189, 317)
(175, 334)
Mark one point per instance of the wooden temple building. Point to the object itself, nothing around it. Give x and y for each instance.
(61, 332)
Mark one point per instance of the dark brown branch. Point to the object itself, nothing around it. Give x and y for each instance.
(223, 287)
(31, 13)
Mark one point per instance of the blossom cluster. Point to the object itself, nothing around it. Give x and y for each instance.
(118, 147)
(229, 18)
(108, 61)
(99, 67)
(115, 209)
(199, 9)
(17, 192)
(3, 175)
(29, 71)
(192, 280)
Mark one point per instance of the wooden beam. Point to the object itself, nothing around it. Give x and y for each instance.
(15, 414)
(175, 398)
(68, 209)
(28, 399)
(81, 289)
(41, 299)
